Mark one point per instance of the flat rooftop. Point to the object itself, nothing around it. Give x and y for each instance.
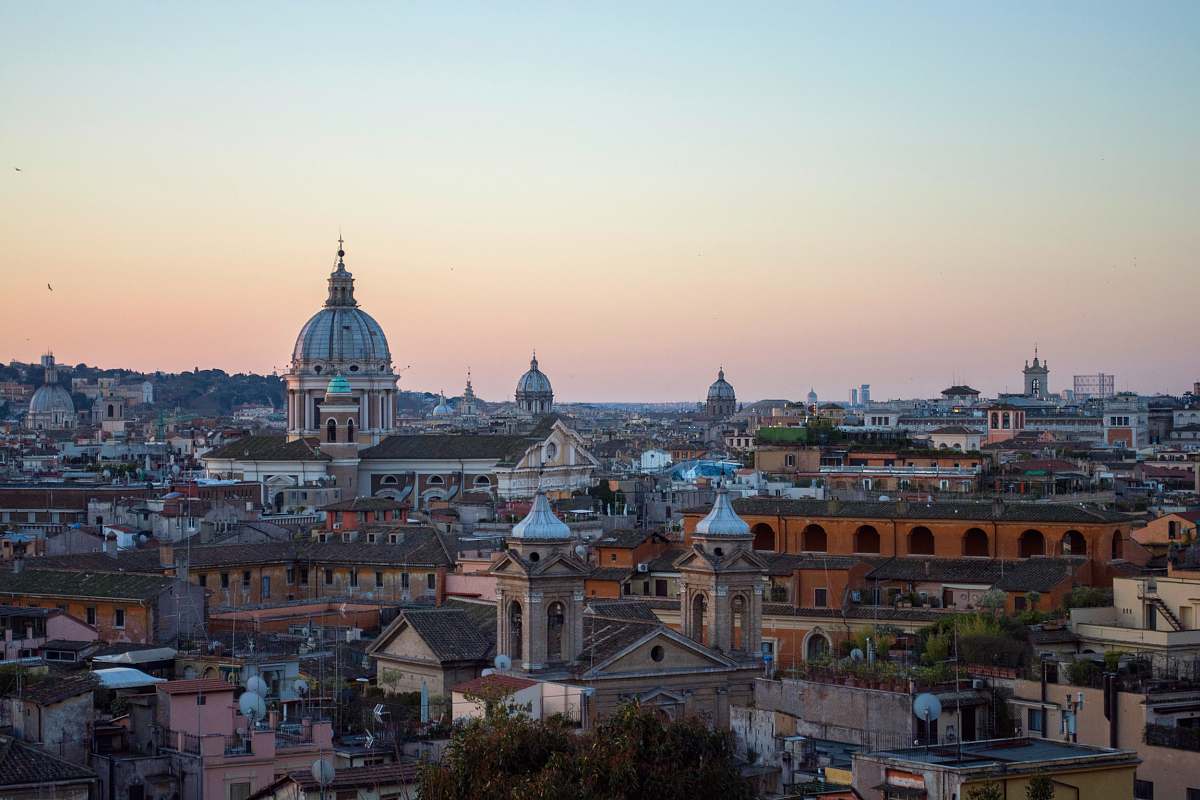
(988, 751)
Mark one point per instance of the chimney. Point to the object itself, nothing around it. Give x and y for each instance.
(166, 558)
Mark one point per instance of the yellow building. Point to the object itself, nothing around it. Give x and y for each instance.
(948, 772)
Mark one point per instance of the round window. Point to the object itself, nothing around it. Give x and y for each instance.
(534, 557)
(657, 653)
(317, 369)
(354, 367)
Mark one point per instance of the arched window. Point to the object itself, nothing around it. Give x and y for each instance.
(434, 480)
(514, 630)
(482, 481)
(1073, 544)
(389, 480)
(817, 648)
(814, 540)
(764, 537)
(1118, 546)
(1031, 543)
(975, 543)
(995, 420)
(555, 619)
(866, 540)
(698, 608)
(350, 430)
(920, 541)
(1007, 420)
(331, 431)
(737, 624)
(111, 411)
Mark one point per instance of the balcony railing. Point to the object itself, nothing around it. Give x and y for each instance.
(237, 745)
(1170, 736)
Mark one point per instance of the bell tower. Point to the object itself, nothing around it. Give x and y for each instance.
(722, 596)
(539, 592)
(340, 414)
(1037, 377)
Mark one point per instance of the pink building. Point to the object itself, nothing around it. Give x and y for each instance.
(199, 721)
(26, 630)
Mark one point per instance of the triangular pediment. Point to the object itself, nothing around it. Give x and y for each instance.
(661, 650)
(510, 564)
(561, 564)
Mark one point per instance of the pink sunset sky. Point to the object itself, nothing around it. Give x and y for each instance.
(807, 195)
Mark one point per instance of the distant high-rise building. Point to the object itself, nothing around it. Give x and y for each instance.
(854, 397)
(1037, 378)
(1099, 386)
(864, 394)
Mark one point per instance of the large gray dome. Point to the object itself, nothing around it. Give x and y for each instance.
(534, 382)
(720, 388)
(341, 337)
(51, 398)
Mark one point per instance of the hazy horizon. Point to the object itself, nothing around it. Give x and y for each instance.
(810, 195)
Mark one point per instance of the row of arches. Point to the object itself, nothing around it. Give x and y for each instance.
(697, 626)
(973, 543)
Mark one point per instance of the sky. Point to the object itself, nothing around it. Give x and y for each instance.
(908, 195)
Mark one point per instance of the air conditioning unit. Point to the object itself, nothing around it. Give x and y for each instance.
(643, 567)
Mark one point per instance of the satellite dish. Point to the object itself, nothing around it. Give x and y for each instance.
(502, 662)
(252, 706)
(323, 772)
(927, 707)
(856, 655)
(301, 687)
(256, 685)
(581, 551)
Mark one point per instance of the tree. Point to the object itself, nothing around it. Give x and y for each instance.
(987, 791)
(1039, 788)
(634, 753)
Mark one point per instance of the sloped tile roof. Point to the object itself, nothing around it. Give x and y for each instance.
(56, 687)
(103, 585)
(450, 633)
(629, 610)
(447, 446)
(24, 764)
(268, 448)
(604, 637)
(963, 510)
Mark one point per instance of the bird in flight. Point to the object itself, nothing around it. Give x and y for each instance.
(18, 169)
(48, 286)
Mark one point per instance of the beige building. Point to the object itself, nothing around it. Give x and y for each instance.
(1153, 615)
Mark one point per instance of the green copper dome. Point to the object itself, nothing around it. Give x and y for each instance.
(338, 385)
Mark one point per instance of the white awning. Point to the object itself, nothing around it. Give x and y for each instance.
(138, 656)
(125, 678)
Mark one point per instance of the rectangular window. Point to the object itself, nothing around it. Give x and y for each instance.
(660, 587)
(431, 581)
(246, 579)
(820, 597)
(203, 579)
(1019, 603)
(403, 580)
(290, 575)
(371, 538)
(354, 577)
(266, 586)
(1036, 717)
(1143, 790)
(328, 576)
(119, 618)
(239, 791)
(378, 579)
(91, 615)
(304, 576)
(201, 699)
(224, 580)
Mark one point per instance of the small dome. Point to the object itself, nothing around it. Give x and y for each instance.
(338, 385)
(534, 381)
(720, 388)
(51, 398)
(722, 520)
(443, 408)
(541, 523)
(812, 396)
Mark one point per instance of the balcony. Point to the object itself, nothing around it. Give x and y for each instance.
(1175, 738)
